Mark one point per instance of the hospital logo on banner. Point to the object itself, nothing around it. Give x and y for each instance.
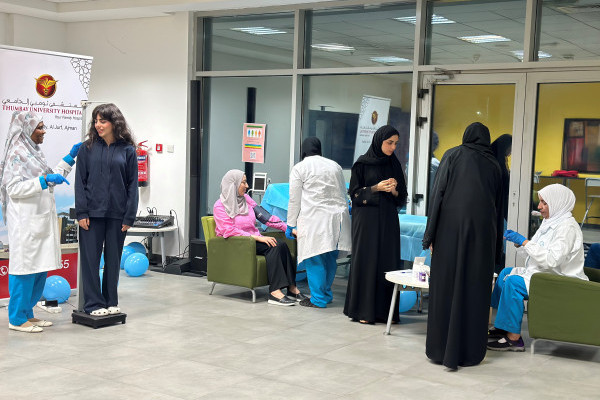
(45, 86)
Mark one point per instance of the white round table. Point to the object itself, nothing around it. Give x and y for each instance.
(401, 278)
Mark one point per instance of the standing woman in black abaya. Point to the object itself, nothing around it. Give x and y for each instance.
(464, 233)
(378, 190)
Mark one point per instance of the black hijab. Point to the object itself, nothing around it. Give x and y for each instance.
(500, 148)
(311, 146)
(374, 155)
(477, 137)
(391, 167)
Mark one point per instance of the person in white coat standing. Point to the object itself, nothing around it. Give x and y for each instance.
(318, 209)
(29, 211)
(556, 248)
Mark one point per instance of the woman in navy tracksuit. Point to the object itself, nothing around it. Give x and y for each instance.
(106, 200)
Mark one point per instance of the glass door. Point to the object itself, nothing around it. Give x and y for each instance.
(449, 105)
(565, 136)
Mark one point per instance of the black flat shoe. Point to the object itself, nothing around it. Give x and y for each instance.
(284, 301)
(298, 297)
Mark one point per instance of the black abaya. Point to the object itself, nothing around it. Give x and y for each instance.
(465, 229)
(375, 233)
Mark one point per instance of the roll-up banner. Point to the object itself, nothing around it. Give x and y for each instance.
(53, 86)
(374, 113)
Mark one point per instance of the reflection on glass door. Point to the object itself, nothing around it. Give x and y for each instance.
(455, 107)
(567, 138)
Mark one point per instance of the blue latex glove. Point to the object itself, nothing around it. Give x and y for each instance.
(288, 232)
(75, 150)
(514, 237)
(57, 179)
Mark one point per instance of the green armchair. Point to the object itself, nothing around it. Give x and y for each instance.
(233, 261)
(565, 309)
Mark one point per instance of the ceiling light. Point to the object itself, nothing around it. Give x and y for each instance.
(435, 19)
(332, 47)
(484, 38)
(258, 30)
(389, 59)
(541, 54)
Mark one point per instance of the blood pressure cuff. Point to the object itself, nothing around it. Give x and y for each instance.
(261, 214)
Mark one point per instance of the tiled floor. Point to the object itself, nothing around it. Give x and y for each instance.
(181, 343)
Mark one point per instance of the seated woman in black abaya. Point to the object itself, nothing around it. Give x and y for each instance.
(378, 190)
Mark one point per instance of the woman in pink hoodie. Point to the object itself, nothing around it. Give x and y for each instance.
(234, 216)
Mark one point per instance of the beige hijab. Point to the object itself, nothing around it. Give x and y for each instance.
(234, 203)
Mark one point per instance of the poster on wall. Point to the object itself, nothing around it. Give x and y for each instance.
(253, 143)
(51, 85)
(374, 112)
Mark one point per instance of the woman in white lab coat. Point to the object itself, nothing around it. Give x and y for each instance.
(318, 208)
(556, 248)
(29, 211)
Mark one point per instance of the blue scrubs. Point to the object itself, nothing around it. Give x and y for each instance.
(508, 296)
(592, 259)
(25, 291)
(320, 272)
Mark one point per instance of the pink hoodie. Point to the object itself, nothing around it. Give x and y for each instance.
(241, 225)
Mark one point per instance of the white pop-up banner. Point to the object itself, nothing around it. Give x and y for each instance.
(53, 86)
(374, 113)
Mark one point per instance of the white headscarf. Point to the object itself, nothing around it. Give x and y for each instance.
(560, 200)
(22, 157)
(234, 203)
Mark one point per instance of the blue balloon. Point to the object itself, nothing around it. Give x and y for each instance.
(136, 264)
(127, 251)
(138, 247)
(407, 300)
(56, 288)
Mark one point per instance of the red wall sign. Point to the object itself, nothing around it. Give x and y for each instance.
(68, 271)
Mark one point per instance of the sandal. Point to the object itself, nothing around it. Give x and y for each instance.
(114, 310)
(100, 312)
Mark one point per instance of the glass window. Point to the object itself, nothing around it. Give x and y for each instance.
(492, 105)
(365, 36)
(249, 42)
(228, 100)
(472, 32)
(566, 112)
(332, 105)
(569, 30)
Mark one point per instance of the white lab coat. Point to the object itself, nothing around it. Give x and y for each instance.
(33, 235)
(319, 207)
(558, 251)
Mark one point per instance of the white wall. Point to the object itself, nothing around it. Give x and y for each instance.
(36, 33)
(141, 65)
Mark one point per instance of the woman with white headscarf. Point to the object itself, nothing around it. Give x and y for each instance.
(556, 248)
(29, 211)
(234, 216)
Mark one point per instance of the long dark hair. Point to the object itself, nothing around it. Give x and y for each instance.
(112, 114)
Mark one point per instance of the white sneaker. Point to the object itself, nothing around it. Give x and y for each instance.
(114, 310)
(52, 310)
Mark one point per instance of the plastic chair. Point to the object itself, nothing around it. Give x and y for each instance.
(590, 195)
